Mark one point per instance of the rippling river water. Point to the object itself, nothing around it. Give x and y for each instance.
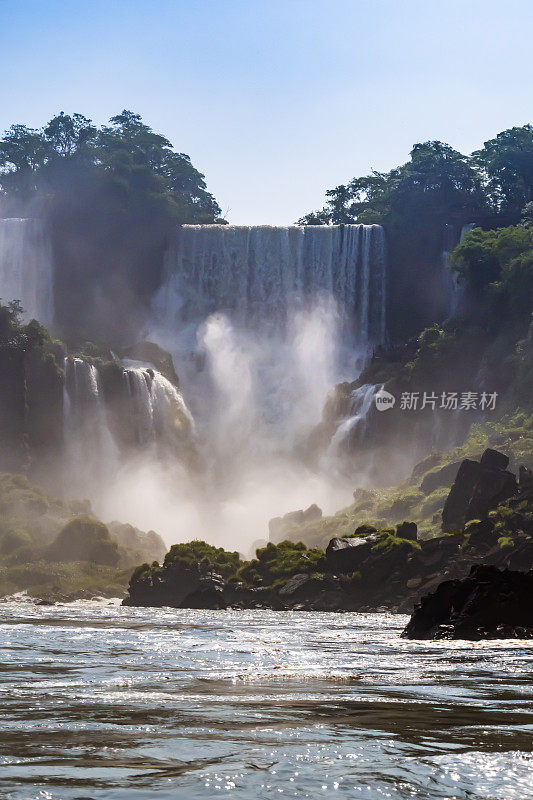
(101, 702)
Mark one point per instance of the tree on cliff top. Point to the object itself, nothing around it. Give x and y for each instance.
(112, 196)
(134, 161)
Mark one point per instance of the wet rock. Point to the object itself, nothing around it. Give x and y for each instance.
(208, 595)
(166, 587)
(296, 583)
(489, 604)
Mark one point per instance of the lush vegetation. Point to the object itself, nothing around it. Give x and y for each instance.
(438, 188)
(112, 195)
(496, 267)
(125, 163)
(54, 548)
(275, 564)
(441, 185)
(205, 557)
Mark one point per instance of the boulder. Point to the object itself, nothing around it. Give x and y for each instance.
(481, 534)
(347, 555)
(493, 459)
(478, 487)
(407, 530)
(165, 587)
(296, 583)
(209, 594)
(489, 604)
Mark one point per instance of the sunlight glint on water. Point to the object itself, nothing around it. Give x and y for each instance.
(105, 702)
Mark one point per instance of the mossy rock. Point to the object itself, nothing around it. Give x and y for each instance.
(84, 539)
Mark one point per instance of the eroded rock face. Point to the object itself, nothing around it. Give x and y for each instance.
(489, 604)
(479, 487)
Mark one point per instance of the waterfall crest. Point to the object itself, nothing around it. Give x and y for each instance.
(26, 270)
(260, 273)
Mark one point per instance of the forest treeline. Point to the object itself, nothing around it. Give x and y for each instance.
(124, 163)
(492, 185)
(424, 203)
(111, 196)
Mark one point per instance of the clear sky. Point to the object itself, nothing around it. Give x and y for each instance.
(275, 100)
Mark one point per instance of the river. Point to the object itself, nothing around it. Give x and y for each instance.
(101, 702)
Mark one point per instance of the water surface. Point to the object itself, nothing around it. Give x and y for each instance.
(102, 702)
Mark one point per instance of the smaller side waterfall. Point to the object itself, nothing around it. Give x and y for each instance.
(152, 413)
(158, 411)
(88, 441)
(26, 270)
(354, 426)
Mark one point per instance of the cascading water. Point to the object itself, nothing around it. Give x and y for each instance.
(90, 450)
(26, 270)
(451, 237)
(157, 409)
(259, 274)
(152, 415)
(355, 423)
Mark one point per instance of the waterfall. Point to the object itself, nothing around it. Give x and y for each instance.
(89, 446)
(141, 408)
(258, 274)
(355, 423)
(26, 271)
(150, 407)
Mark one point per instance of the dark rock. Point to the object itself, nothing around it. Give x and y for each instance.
(347, 555)
(208, 595)
(365, 530)
(492, 488)
(481, 534)
(489, 603)
(440, 477)
(166, 587)
(407, 530)
(478, 488)
(493, 459)
(294, 585)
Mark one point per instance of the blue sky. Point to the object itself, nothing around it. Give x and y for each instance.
(275, 100)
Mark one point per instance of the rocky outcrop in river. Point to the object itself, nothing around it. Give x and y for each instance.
(389, 568)
(488, 604)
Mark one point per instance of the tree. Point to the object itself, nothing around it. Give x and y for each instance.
(506, 163)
